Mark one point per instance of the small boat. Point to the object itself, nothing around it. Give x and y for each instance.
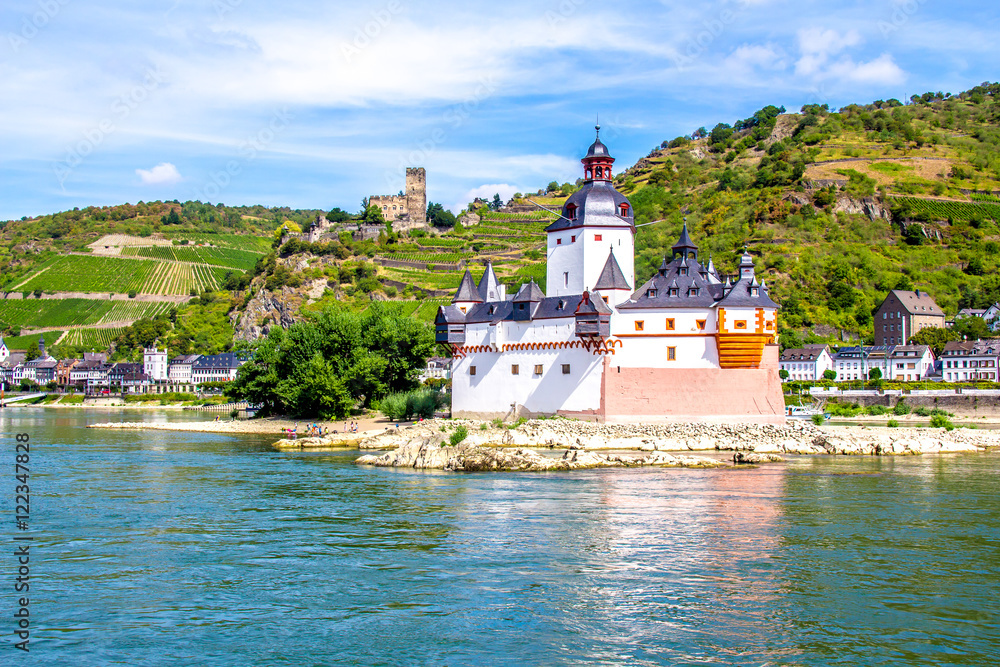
(805, 412)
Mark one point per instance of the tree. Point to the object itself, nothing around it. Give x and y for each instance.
(497, 203)
(439, 216)
(783, 374)
(935, 337)
(971, 328)
(337, 215)
(325, 366)
(874, 374)
(373, 216)
(31, 354)
(829, 374)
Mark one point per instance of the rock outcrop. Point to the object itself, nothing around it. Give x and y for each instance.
(869, 206)
(435, 452)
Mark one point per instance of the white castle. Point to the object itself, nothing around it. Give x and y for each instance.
(685, 346)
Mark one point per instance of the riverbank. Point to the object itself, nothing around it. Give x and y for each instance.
(265, 426)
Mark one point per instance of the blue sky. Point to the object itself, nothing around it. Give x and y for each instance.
(318, 104)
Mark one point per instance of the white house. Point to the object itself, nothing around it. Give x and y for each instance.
(215, 368)
(903, 363)
(4, 352)
(154, 364)
(686, 345)
(970, 361)
(808, 363)
(179, 370)
(911, 362)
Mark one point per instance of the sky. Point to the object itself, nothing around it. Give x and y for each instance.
(319, 104)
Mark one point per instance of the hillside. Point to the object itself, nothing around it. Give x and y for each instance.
(838, 207)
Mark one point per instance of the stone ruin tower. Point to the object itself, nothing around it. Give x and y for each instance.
(416, 195)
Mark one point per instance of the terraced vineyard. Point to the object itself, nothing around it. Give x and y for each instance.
(99, 339)
(255, 244)
(44, 313)
(243, 260)
(81, 273)
(78, 273)
(956, 210)
(31, 342)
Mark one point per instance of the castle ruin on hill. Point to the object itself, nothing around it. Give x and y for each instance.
(408, 210)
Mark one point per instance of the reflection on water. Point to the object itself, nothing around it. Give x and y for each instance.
(168, 547)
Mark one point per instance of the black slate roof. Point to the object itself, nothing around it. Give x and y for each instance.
(598, 204)
(655, 293)
(467, 290)
(611, 276)
(449, 315)
(529, 292)
(489, 286)
(548, 308)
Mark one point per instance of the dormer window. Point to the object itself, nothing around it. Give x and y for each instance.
(624, 210)
(562, 304)
(694, 291)
(683, 271)
(651, 293)
(754, 291)
(571, 211)
(673, 291)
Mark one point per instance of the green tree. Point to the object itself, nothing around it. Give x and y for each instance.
(439, 216)
(874, 374)
(971, 328)
(497, 203)
(783, 374)
(935, 337)
(373, 216)
(829, 374)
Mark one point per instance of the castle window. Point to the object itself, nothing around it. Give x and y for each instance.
(566, 279)
(694, 291)
(565, 369)
(561, 305)
(598, 237)
(571, 211)
(472, 370)
(683, 271)
(572, 239)
(639, 325)
(670, 324)
(651, 293)
(740, 324)
(673, 291)
(463, 309)
(671, 354)
(605, 299)
(701, 324)
(515, 369)
(538, 369)
(754, 291)
(558, 241)
(520, 306)
(624, 210)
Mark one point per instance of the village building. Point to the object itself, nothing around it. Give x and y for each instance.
(179, 370)
(970, 361)
(215, 368)
(4, 352)
(154, 364)
(438, 368)
(806, 363)
(686, 345)
(904, 313)
(902, 363)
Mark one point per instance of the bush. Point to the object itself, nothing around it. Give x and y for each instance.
(818, 420)
(132, 293)
(458, 435)
(403, 406)
(940, 421)
(892, 423)
(901, 409)
(877, 410)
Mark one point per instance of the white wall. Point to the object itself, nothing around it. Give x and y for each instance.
(648, 348)
(584, 258)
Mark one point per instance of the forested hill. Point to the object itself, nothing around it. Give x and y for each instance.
(838, 206)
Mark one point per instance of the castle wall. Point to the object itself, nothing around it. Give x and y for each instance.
(664, 395)
(416, 195)
(393, 206)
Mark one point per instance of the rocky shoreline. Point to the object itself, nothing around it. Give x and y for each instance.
(490, 447)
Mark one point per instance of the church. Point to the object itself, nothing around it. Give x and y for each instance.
(684, 346)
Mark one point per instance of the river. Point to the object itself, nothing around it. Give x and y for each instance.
(203, 549)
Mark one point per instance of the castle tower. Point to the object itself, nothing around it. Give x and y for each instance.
(416, 194)
(596, 221)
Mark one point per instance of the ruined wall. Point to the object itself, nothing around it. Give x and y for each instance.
(416, 195)
(393, 206)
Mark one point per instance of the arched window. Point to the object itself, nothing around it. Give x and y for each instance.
(571, 211)
(624, 210)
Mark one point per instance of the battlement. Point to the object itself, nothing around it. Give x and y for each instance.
(409, 210)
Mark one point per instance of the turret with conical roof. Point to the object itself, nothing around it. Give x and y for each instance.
(467, 292)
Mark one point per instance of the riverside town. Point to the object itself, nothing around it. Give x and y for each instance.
(505, 335)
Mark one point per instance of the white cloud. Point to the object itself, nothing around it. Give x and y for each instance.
(763, 56)
(818, 45)
(505, 190)
(882, 70)
(162, 174)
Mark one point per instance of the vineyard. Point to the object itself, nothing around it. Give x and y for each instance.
(98, 339)
(237, 259)
(255, 244)
(80, 273)
(979, 196)
(955, 210)
(44, 313)
(429, 257)
(31, 342)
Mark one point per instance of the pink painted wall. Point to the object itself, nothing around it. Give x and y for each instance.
(657, 395)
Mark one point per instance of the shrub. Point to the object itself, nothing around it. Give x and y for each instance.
(901, 409)
(497, 423)
(877, 410)
(132, 293)
(892, 423)
(403, 406)
(458, 435)
(818, 420)
(940, 421)
(483, 426)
